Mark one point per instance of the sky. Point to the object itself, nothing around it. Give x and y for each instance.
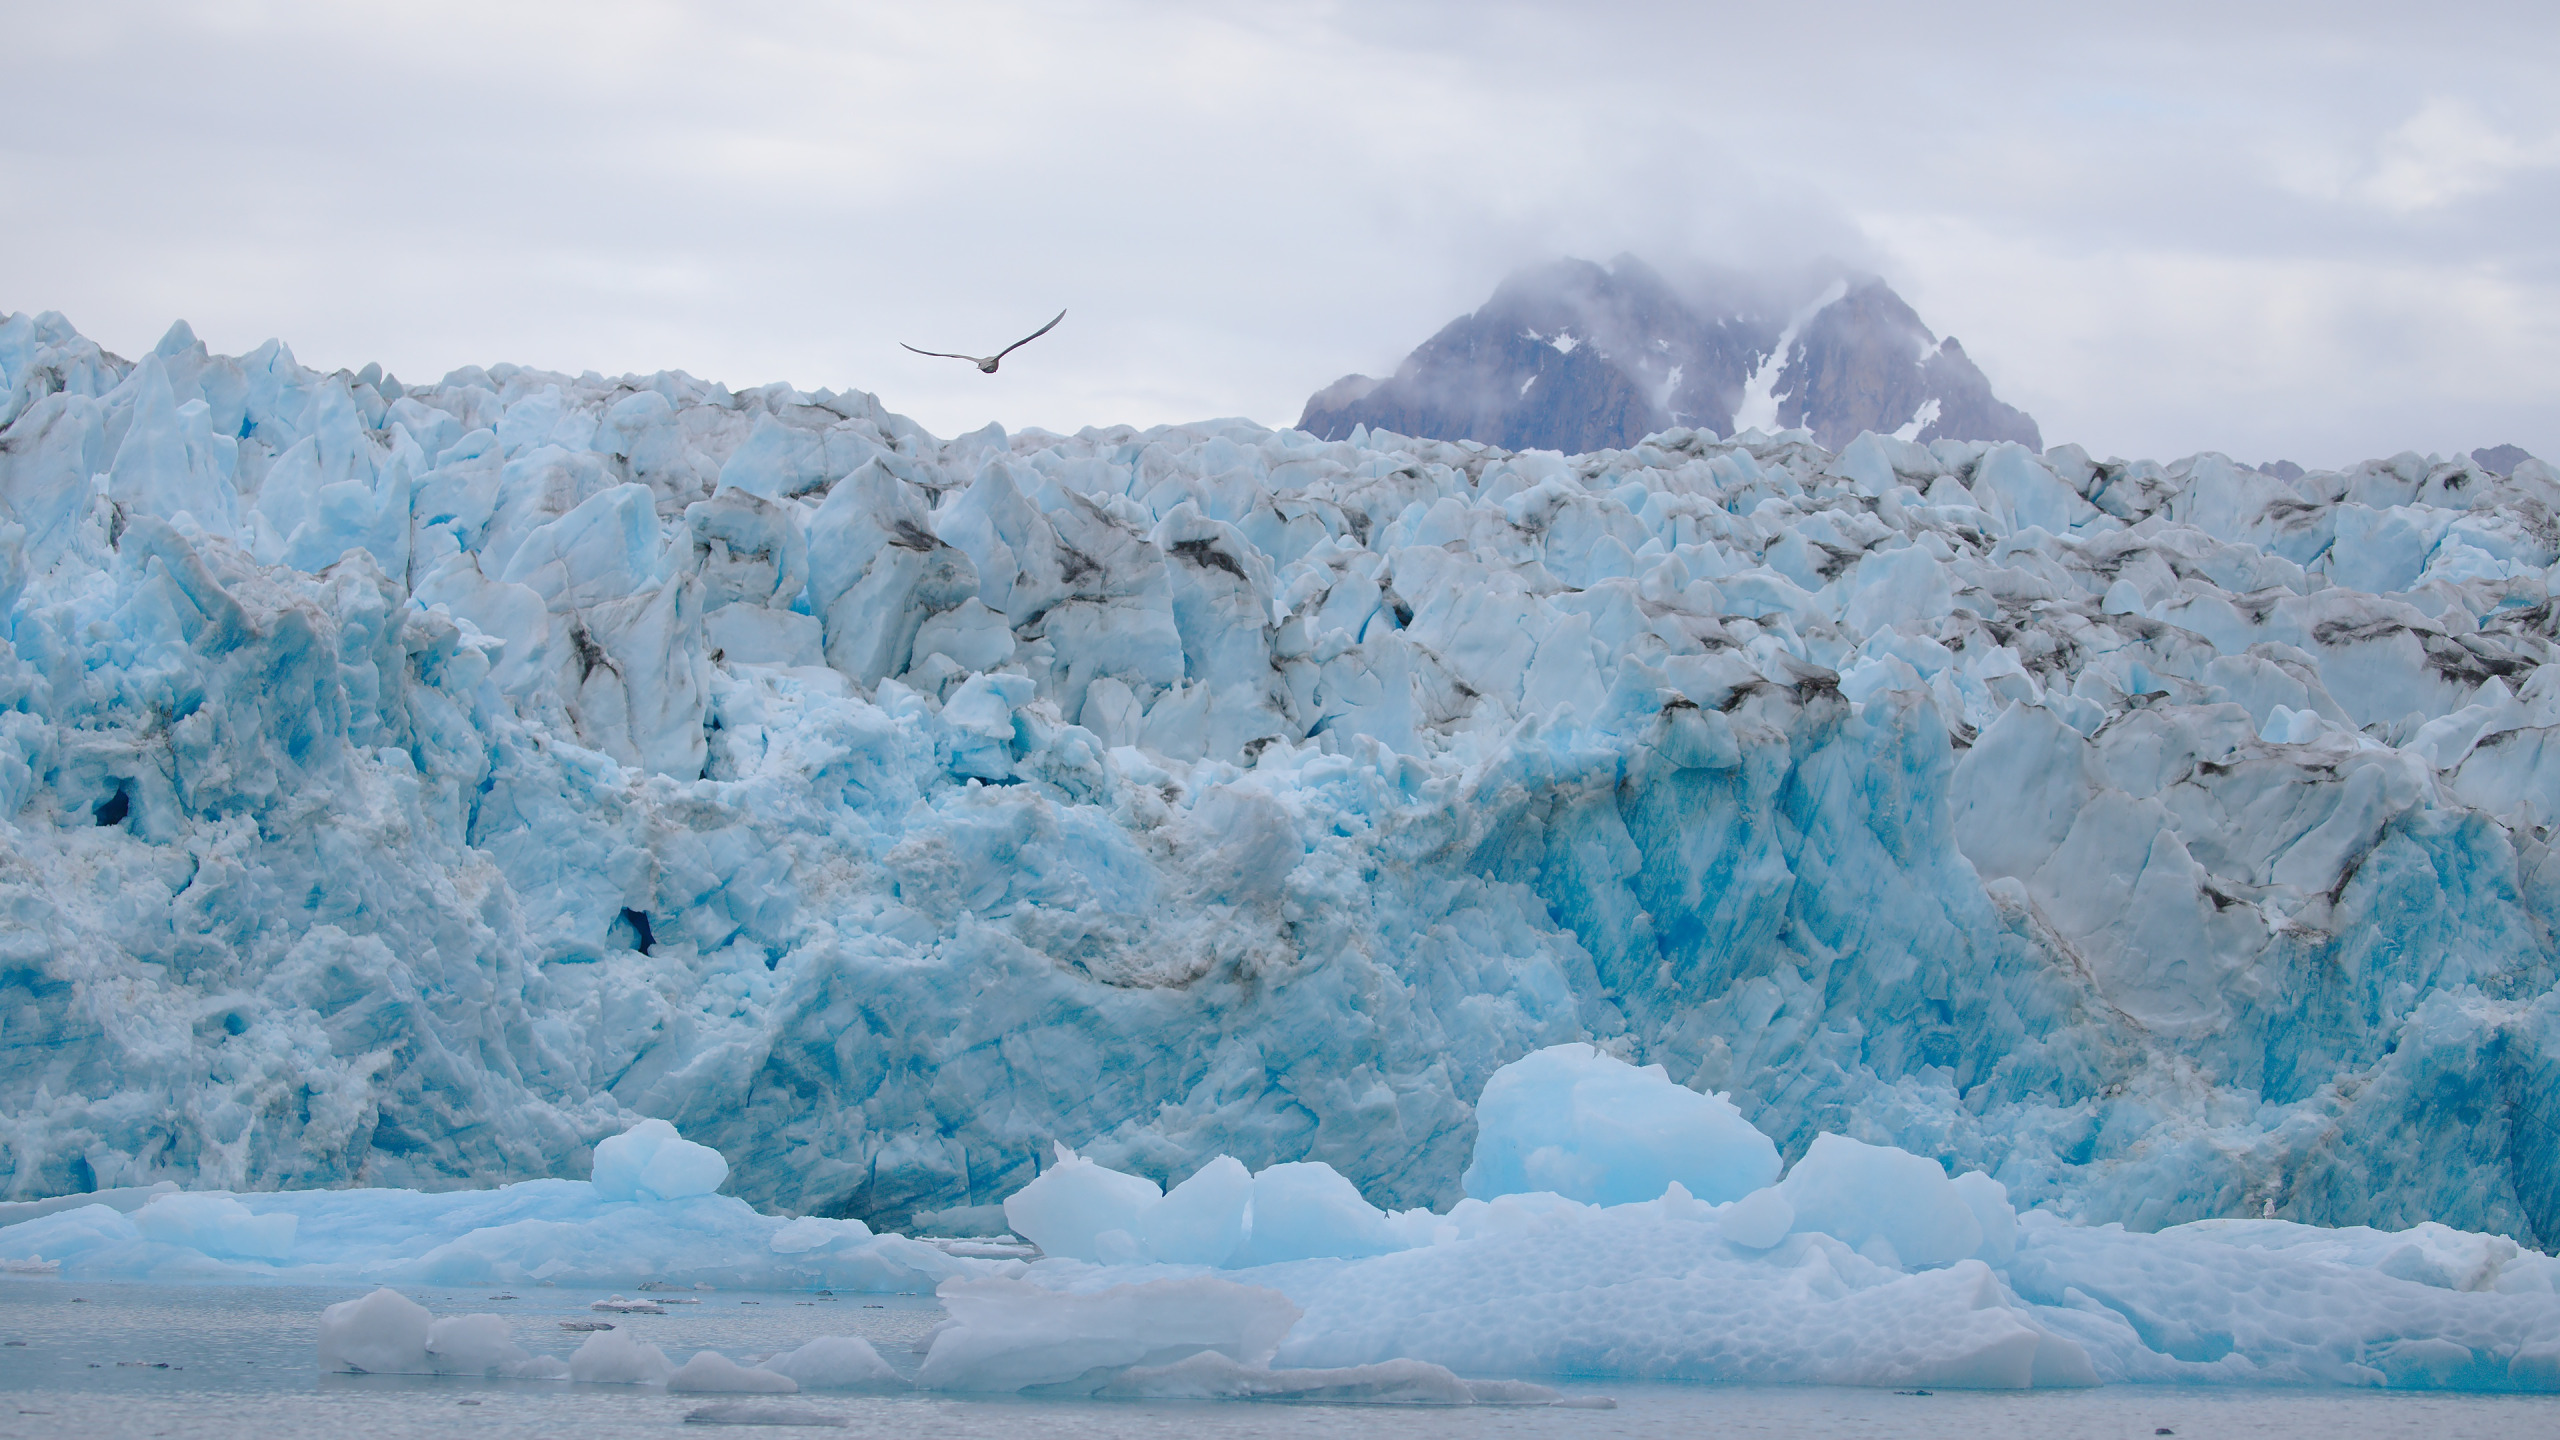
(2314, 232)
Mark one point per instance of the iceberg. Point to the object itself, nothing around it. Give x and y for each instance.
(1861, 1265)
(409, 789)
(562, 1232)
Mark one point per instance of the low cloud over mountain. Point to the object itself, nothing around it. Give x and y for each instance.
(1575, 356)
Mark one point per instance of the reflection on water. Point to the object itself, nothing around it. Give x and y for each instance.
(170, 1360)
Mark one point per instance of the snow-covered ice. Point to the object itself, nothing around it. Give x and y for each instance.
(419, 786)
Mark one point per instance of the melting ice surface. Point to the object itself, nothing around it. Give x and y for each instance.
(1862, 1265)
(415, 786)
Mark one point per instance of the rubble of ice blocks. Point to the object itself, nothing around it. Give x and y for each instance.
(411, 785)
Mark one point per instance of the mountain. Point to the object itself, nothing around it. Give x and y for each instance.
(1574, 356)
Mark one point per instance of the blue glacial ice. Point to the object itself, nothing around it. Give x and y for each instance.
(1862, 1265)
(414, 786)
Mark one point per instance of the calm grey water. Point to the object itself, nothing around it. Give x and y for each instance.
(240, 1363)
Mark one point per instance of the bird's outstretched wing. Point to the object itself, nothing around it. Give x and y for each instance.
(947, 355)
(1034, 335)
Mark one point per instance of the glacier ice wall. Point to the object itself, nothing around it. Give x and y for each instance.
(413, 785)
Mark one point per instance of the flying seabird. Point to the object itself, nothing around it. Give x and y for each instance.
(987, 363)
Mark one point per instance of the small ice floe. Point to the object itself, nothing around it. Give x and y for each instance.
(836, 1362)
(1209, 1375)
(583, 1326)
(616, 1359)
(751, 1412)
(620, 1305)
(32, 1265)
(980, 1249)
(387, 1333)
(711, 1373)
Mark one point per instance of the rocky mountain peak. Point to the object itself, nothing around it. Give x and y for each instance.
(1574, 356)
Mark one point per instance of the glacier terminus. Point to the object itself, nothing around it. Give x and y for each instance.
(415, 787)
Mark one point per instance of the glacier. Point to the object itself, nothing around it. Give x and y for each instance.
(413, 786)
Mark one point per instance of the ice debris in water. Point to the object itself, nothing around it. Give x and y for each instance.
(754, 1412)
(1007, 1335)
(1575, 1122)
(836, 1362)
(650, 1161)
(1210, 1375)
(710, 1372)
(386, 1333)
(616, 1358)
(559, 1231)
(1863, 1264)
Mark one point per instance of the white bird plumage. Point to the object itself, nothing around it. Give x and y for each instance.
(987, 363)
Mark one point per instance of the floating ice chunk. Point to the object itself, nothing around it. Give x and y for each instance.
(752, 1412)
(1585, 1124)
(1009, 1335)
(1988, 1199)
(560, 1230)
(475, 1345)
(1759, 1220)
(816, 1232)
(1075, 1200)
(836, 1362)
(217, 1225)
(1305, 1209)
(650, 1161)
(384, 1333)
(1202, 1220)
(1664, 1293)
(1860, 1193)
(1213, 1376)
(611, 1357)
(711, 1373)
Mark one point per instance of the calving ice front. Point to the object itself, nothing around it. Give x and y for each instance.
(411, 786)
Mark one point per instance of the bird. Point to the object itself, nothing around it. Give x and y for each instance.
(987, 363)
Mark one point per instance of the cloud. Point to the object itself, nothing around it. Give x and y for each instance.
(1238, 203)
(2446, 152)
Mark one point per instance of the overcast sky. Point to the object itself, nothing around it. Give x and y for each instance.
(2318, 232)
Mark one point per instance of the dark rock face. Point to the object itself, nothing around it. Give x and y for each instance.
(2501, 459)
(1574, 356)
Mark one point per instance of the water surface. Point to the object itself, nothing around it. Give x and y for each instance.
(230, 1361)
